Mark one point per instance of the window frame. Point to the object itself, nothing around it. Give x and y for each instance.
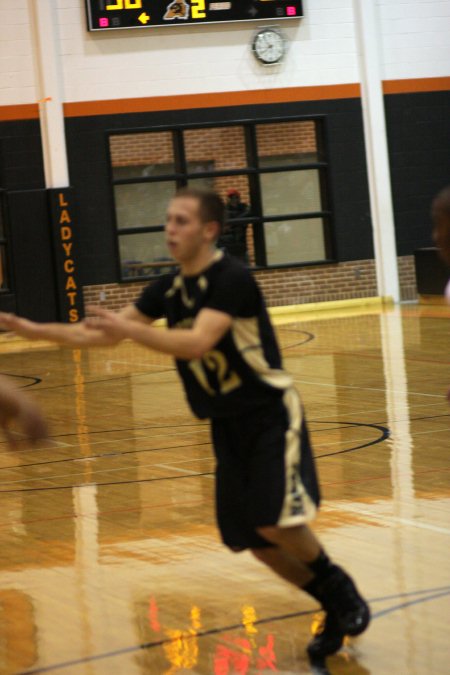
(253, 170)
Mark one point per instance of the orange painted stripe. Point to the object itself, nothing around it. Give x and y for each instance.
(225, 99)
(27, 111)
(416, 85)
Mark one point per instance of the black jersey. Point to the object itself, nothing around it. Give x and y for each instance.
(244, 369)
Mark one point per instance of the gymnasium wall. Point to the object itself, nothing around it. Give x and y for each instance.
(414, 39)
(87, 147)
(416, 69)
(143, 78)
(170, 61)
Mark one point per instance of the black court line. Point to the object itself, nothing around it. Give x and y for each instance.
(122, 482)
(200, 423)
(108, 379)
(431, 594)
(38, 380)
(34, 380)
(384, 434)
(347, 425)
(110, 431)
(103, 454)
(309, 337)
(410, 603)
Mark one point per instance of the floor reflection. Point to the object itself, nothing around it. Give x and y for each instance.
(110, 560)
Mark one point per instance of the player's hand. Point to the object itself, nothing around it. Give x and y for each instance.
(31, 422)
(23, 327)
(19, 408)
(112, 325)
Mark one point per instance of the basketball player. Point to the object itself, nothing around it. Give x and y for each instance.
(18, 407)
(229, 362)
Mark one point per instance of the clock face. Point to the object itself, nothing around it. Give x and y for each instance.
(269, 46)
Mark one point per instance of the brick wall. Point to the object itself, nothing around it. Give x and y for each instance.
(223, 147)
(407, 276)
(285, 138)
(291, 286)
(217, 148)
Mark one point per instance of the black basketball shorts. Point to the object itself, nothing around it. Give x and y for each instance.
(265, 472)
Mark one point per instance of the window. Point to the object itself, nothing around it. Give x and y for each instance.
(272, 176)
(4, 267)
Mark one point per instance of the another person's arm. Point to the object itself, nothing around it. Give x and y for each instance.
(17, 406)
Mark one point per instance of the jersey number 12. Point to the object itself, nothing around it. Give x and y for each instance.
(215, 362)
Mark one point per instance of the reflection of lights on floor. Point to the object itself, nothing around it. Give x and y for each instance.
(248, 619)
(182, 650)
(243, 654)
(153, 616)
(232, 655)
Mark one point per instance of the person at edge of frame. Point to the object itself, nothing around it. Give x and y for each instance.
(17, 407)
(229, 362)
(233, 235)
(440, 213)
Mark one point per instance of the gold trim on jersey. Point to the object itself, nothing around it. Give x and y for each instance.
(185, 323)
(176, 286)
(202, 282)
(246, 337)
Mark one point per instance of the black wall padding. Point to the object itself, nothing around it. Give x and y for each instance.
(31, 253)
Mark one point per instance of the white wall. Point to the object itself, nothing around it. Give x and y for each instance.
(17, 77)
(216, 58)
(185, 59)
(191, 59)
(415, 38)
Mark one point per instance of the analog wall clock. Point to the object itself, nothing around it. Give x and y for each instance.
(269, 46)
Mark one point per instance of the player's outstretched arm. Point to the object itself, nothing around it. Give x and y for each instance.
(71, 334)
(17, 406)
(209, 327)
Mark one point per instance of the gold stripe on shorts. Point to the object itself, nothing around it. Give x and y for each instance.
(298, 507)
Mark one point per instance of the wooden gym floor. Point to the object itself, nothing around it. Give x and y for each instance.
(110, 561)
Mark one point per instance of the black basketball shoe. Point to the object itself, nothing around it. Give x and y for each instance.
(345, 606)
(328, 640)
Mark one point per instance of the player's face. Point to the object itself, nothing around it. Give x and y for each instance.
(186, 235)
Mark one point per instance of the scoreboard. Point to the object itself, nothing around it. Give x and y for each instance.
(113, 14)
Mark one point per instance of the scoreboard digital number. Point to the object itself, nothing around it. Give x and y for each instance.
(111, 14)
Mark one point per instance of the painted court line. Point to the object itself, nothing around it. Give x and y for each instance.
(175, 468)
(352, 386)
(390, 519)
